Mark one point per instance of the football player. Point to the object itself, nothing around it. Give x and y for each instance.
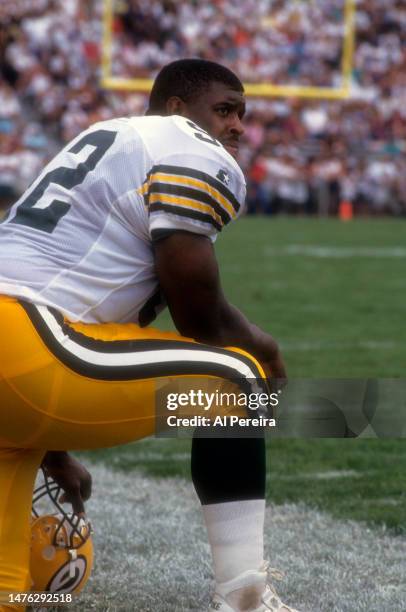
(120, 222)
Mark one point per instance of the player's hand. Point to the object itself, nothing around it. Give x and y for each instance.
(276, 384)
(71, 476)
(275, 369)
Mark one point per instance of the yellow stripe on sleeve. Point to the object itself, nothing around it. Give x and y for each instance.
(186, 203)
(160, 177)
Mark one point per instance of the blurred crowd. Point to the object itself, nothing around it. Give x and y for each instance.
(275, 41)
(299, 156)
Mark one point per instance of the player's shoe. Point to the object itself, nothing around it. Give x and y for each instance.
(251, 591)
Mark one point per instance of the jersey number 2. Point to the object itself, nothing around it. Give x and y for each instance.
(46, 218)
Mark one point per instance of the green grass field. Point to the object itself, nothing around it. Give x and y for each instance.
(332, 294)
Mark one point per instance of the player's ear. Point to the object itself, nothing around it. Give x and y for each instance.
(175, 106)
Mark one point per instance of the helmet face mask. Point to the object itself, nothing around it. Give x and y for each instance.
(61, 544)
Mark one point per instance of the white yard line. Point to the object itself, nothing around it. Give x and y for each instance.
(316, 345)
(336, 252)
(152, 554)
(327, 475)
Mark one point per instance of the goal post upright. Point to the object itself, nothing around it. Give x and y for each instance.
(347, 61)
(107, 42)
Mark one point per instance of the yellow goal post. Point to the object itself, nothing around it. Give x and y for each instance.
(109, 81)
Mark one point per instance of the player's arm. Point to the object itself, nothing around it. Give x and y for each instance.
(189, 278)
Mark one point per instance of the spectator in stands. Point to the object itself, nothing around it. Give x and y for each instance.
(50, 74)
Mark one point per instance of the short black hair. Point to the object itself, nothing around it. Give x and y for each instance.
(187, 78)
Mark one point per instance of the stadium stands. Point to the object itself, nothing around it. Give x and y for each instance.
(299, 156)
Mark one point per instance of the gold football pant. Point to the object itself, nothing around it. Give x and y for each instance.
(70, 386)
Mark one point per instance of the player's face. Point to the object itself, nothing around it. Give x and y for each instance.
(219, 110)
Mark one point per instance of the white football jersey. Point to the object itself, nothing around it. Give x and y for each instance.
(80, 238)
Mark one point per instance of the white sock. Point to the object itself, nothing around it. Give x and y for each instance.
(236, 536)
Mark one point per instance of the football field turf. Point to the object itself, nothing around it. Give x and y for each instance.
(332, 294)
(152, 553)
